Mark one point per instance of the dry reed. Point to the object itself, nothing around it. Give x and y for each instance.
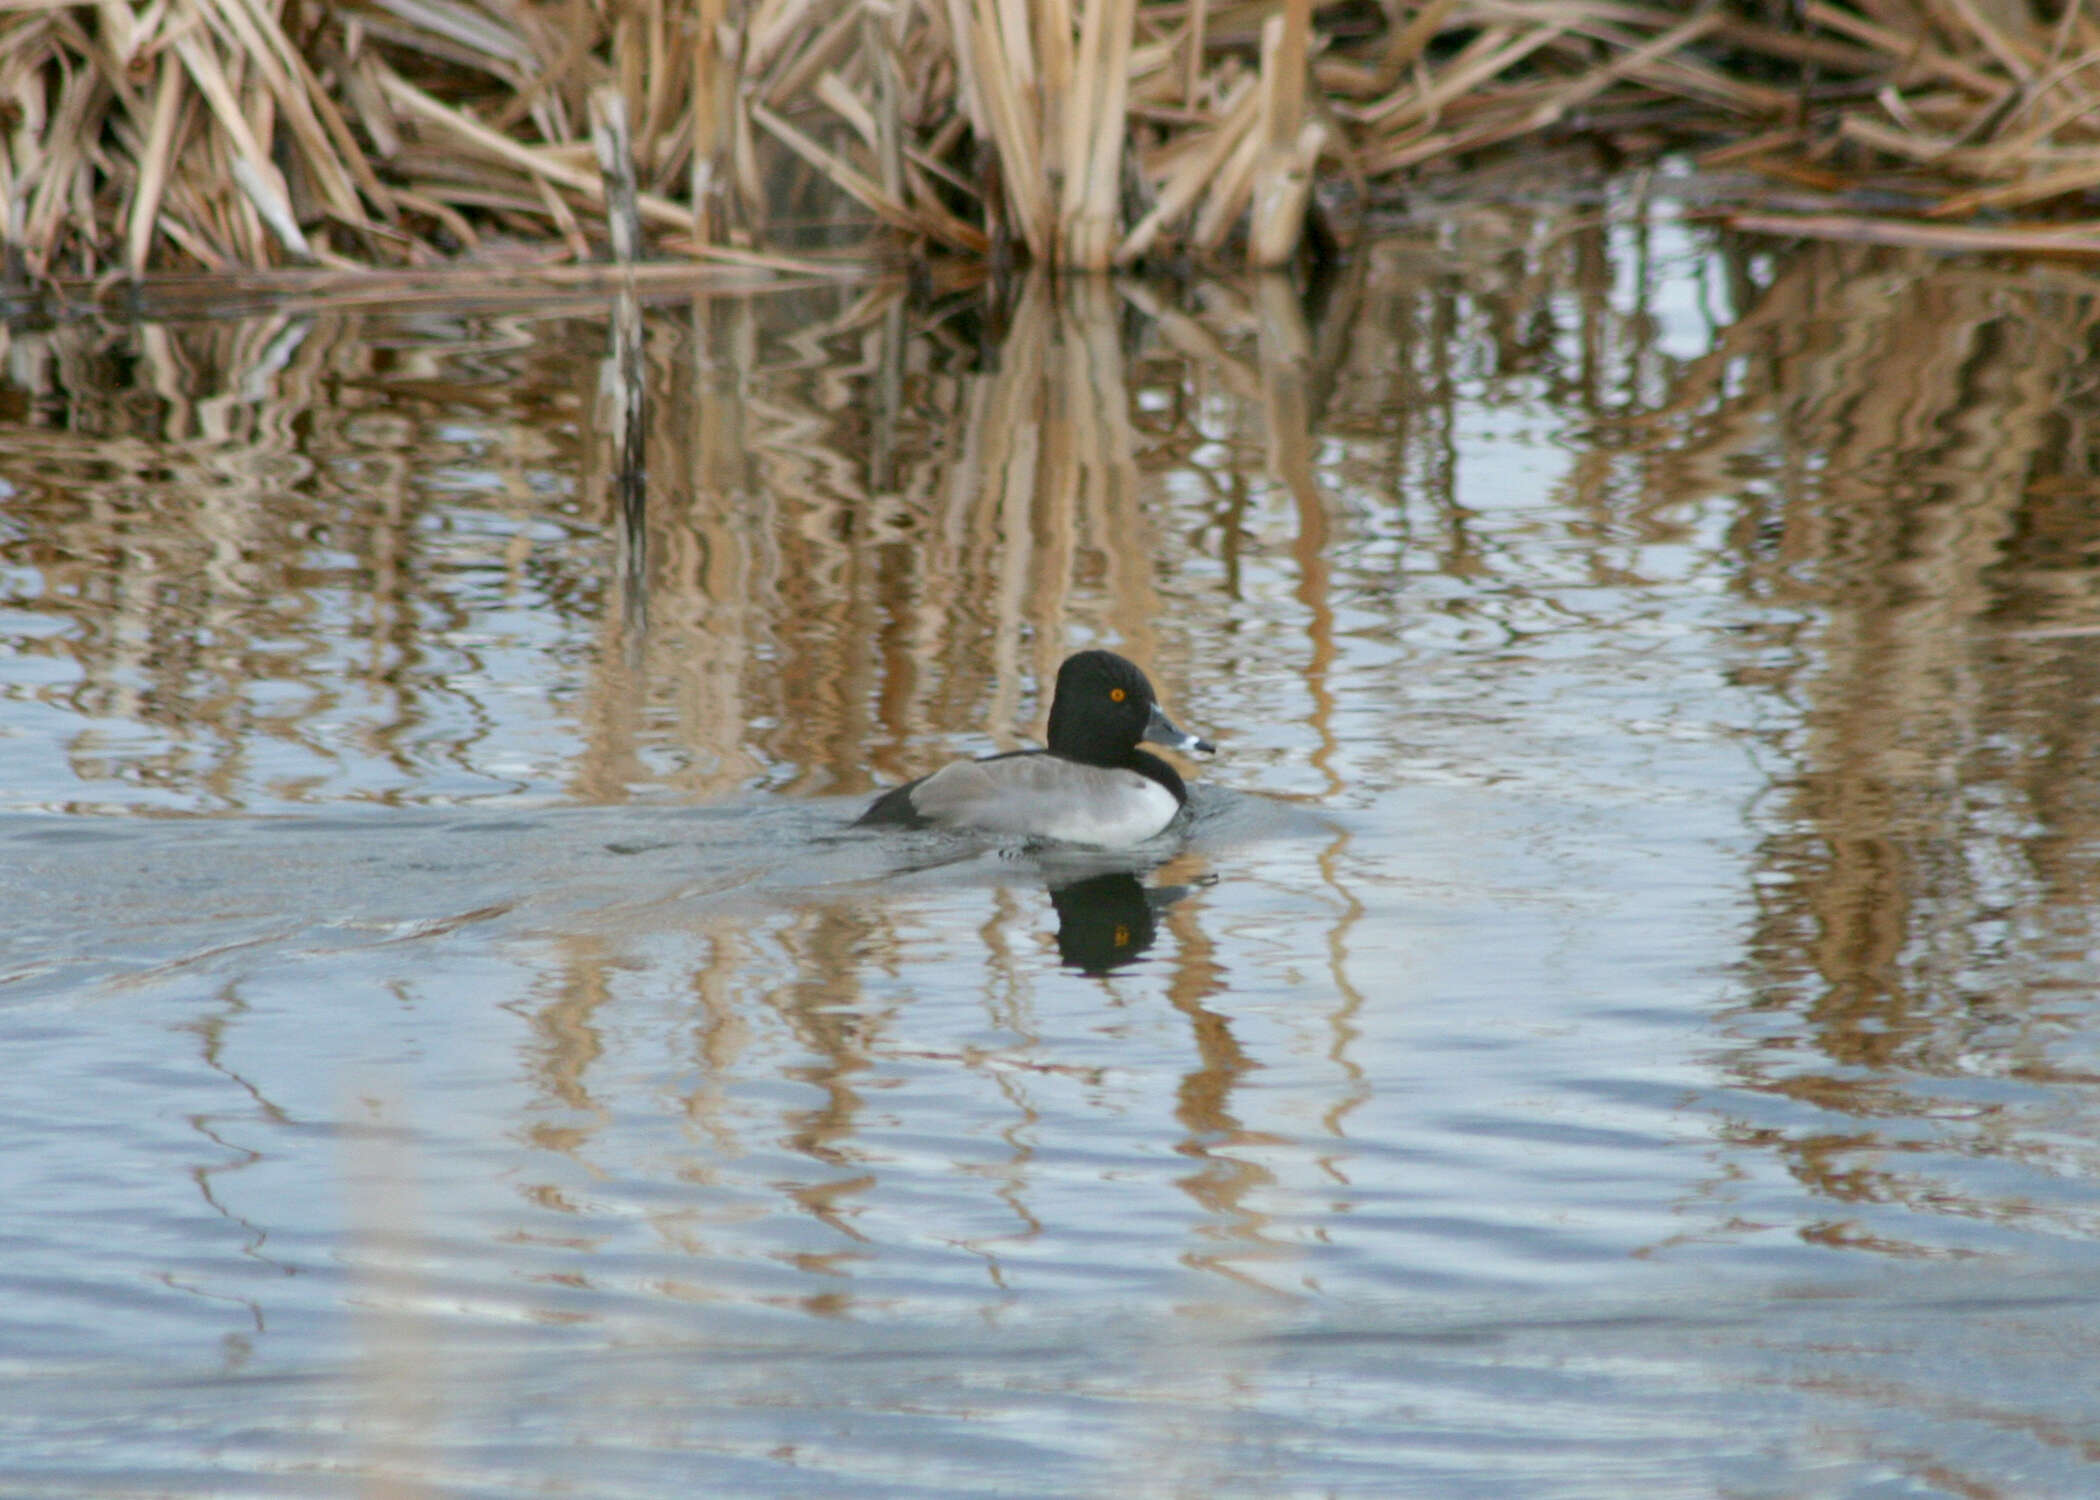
(237, 135)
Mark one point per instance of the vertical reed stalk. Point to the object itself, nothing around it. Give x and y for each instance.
(1088, 228)
(1290, 142)
(712, 94)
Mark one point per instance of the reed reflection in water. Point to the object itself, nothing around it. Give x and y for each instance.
(1650, 852)
(1922, 531)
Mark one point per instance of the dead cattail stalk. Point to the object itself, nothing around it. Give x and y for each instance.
(1095, 133)
(2029, 239)
(615, 148)
(1290, 142)
(153, 169)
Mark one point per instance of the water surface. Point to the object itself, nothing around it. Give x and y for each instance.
(1617, 1021)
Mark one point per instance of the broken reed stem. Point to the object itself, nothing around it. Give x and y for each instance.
(615, 148)
(1197, 171)
(713, 95)
(153, 169)
(1290, 142)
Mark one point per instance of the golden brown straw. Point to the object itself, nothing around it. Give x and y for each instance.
(231, 135)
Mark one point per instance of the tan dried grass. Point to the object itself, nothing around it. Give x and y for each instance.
(240, 135)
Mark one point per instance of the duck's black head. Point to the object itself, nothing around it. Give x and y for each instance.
(1103, 706)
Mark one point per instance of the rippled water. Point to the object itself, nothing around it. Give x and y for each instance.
(1618, 1021)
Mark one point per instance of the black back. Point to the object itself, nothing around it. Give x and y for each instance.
(893, 809)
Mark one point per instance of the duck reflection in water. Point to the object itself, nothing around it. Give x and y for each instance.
(1106, 922)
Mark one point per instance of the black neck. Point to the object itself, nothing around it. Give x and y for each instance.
(1077, 738)
(1145, 763)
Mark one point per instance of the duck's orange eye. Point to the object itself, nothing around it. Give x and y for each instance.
(1116, 695)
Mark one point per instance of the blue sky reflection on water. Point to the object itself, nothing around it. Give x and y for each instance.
(1619, 1012)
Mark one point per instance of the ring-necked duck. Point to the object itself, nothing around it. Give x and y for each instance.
(1092, 786)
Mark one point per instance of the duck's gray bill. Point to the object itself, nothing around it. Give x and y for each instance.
(1161, 731)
